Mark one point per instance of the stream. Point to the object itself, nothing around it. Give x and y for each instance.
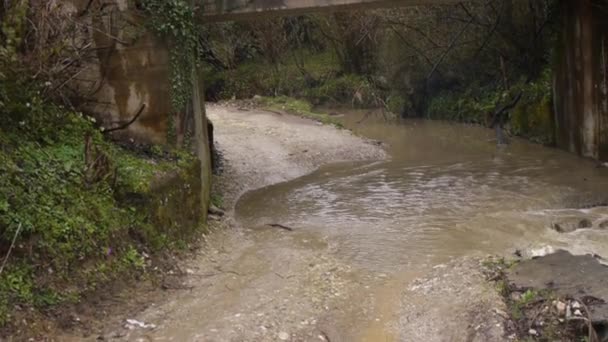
(446, 192)
(379, 248)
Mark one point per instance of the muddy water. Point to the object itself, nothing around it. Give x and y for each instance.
(380, 251)
(446, 192)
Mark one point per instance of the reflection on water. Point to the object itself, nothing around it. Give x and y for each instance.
(447, 191)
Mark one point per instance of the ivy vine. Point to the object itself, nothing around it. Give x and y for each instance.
(173, 21)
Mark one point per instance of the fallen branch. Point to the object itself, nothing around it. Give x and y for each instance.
(127, 124)
(10, 249)
(499, 113)
(593, 337)
(277, 225)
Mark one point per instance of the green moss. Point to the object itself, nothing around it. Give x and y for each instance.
(397, 103)
(217, 200)
(534, 120)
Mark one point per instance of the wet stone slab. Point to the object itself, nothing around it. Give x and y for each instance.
(580, 277)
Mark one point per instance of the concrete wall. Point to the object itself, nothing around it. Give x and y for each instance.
(226, 10)
(130, 71)
(581, 98)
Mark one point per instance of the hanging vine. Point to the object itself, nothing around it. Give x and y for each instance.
(173, 21)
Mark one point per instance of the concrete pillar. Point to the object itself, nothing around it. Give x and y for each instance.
(580, 85)
(201, 137)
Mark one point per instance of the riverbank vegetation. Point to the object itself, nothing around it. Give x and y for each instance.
(458, 62)
(77, 209)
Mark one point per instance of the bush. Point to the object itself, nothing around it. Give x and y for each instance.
(531, 118)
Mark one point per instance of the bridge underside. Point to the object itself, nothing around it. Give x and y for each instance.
(232, 10)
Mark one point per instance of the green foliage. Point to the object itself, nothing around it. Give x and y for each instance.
(173, 20)
(319, 82)
(470, 106)
(397, 103)
(532, 118)
(217, 200)
(12, 29)
(68, 228)
(347, 88)
(256, 77)
(528, 297)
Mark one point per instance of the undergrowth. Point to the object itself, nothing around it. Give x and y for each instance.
(70, 235)
(532, 118)
(319, 81)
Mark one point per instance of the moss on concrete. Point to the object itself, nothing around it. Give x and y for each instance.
(534, 120)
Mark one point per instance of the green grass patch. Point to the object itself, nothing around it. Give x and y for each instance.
(298, 107)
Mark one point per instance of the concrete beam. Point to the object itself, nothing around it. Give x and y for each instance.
(234, 10)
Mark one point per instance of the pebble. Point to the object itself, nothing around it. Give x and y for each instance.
(532, 332)
(561, 308)
(576, 305)
(501, 313)
(283, 336)
(578, 312)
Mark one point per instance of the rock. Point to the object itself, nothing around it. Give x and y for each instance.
(603, 224)
(213, 210)
(214, 217)
(515, 296)
(575, 305)
(533, 332)
(561, 308)
(585, 223)
(501, 313)
(257, 98)
(572, 225)
(283, 336)
(133, 323)
(578, 312)
(568, 276)
(540, 252)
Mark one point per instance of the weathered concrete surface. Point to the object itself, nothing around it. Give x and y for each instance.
(129, 74)
(581, 79)
(226, 10)
(129, 71)
(579, 277)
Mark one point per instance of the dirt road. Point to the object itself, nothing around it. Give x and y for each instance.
(262, 283)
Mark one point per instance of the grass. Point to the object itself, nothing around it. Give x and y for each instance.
(298, 107)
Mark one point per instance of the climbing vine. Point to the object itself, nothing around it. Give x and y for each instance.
(173, 20)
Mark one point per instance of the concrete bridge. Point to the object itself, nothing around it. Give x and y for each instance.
(229, 10)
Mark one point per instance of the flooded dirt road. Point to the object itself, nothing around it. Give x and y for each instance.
(382, 248)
